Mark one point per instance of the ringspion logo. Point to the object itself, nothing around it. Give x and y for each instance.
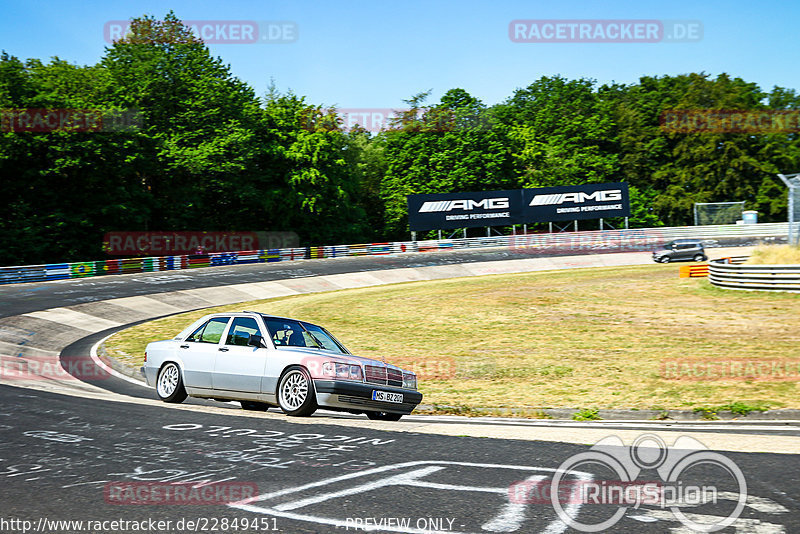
(689, 475)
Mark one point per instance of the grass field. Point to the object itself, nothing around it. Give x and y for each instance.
(775, 255)
(581, 338)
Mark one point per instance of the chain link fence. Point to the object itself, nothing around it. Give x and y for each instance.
(706, 213)
(792, 181)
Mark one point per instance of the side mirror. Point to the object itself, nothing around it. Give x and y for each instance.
(256, 341)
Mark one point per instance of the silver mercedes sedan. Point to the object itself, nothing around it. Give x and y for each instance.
(264, 361)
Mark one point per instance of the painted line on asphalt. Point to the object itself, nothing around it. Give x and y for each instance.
(113, 372)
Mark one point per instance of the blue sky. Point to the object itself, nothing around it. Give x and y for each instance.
(375, 54)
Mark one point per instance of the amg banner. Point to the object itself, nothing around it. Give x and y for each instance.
(518, 206)
(576, 202)
(460, 210)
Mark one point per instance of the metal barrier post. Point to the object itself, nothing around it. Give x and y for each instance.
(792, 181)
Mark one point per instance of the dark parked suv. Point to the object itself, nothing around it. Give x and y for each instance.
(680, 250)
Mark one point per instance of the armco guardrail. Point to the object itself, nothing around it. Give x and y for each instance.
(560, 243)
(731, 273)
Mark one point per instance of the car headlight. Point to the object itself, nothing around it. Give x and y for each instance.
(342, 371)
(409, 380)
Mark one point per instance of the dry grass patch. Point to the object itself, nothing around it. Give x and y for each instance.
(573, 338)
(775, 255)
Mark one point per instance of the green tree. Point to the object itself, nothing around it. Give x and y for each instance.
(455, 145)
(561, 133)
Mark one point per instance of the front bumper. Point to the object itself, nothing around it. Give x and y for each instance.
(358, 396)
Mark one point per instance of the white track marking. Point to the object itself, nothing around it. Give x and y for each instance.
(509, 519)
(100, 363)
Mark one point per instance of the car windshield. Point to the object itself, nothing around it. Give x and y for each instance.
(290, 333)
(324, 338)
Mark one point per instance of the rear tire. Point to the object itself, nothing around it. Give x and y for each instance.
(296, 394)
(169, 384)
(254, 406)
(699, 257)
(384, 416)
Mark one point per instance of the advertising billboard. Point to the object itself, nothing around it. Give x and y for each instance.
(576, 202)
(462, 210)
(517, 206)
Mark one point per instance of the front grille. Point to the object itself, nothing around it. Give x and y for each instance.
(375, 375)
(394, 377)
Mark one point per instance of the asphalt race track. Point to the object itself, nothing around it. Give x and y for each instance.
(68, 458)
(116, 460)
(22, 298)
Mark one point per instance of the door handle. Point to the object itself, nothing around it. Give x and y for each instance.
(223, 349)
(184, 346)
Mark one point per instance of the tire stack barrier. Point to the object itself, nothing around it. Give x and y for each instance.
(559, 243)
(732, 273)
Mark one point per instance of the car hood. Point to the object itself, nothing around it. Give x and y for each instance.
(337, 356)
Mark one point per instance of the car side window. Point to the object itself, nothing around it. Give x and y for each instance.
(195, 336)
(241, 330)
(285, 332)
(210, 332)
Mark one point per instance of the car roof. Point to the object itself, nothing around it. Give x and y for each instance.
(263, 315)
(686, 241)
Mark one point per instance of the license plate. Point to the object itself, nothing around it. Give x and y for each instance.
(385, 396)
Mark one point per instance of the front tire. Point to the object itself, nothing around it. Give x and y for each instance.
(296, 393)
(384, 416)
(665, 259)
(169, 384)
